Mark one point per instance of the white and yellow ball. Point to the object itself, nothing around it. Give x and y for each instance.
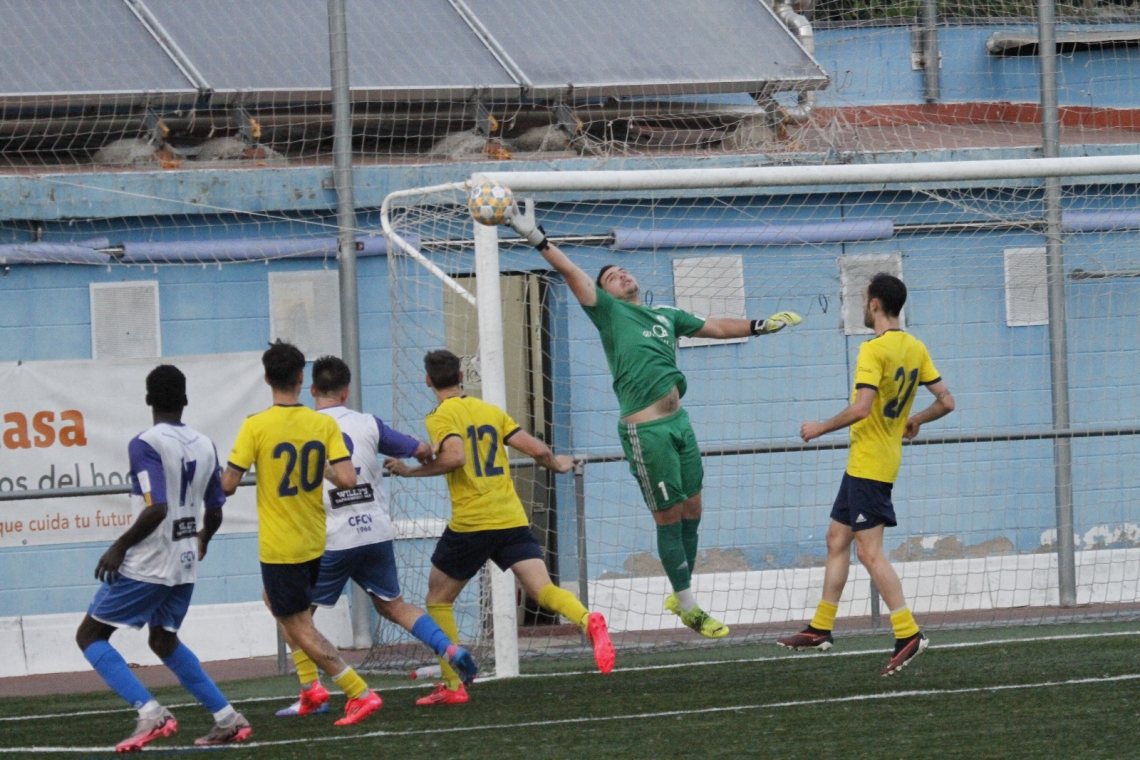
(489, 202)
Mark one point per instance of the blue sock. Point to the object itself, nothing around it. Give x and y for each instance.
(190, 674)
(109, 664)
(426, 630)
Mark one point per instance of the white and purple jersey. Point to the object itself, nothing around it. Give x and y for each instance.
(359, 516)
(177, 466)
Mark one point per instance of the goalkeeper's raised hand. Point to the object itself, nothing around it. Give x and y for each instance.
(524, 224)
(581, 285)
(775, 323)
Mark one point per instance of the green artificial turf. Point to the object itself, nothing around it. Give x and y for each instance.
(655, 712)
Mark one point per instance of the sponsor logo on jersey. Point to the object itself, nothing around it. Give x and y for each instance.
(346, 497)
(186, 527)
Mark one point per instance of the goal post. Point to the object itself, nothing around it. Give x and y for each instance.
(832, 174)
(965, 236)
(494, 382)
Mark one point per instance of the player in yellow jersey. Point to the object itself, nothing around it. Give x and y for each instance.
(488, 521)
(293, 449)
(888, 371)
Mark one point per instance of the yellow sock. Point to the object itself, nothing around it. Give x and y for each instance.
(824, 619)
(564, 603)
(306, 668)
(903, 623)
(351, 684)
(444, 617)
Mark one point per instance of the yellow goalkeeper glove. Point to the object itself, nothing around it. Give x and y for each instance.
(775, 323)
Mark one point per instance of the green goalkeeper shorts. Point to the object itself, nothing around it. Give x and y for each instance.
(664, 457)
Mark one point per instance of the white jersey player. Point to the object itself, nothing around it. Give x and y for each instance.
(178, 466)
(359, 516)
(148, 574)
(359, 534)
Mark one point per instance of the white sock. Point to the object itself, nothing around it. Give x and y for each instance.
(151, 709)
(226, 716)
(686, 599)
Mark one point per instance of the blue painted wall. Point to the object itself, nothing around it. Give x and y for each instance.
(773, 508)
(45, 314)
(872, 66)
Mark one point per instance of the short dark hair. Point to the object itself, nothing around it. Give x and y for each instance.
(331, 375)
(890, 291)
(166, 389)
(602, 274)
(283, 362)
(443, 368)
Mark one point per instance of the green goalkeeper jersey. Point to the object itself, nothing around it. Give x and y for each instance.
(641, 348)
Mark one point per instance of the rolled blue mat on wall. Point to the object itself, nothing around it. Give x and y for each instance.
(97, 250)
(757, 234)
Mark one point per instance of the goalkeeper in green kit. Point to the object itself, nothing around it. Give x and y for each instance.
(641, 349)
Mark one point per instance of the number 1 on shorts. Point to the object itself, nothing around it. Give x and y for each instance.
(664, 491)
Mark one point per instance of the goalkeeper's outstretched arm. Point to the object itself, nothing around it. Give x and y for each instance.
(579, 282)
(584, 290)
(726, 327)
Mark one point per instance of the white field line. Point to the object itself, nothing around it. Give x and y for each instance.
(671, 666)
(610, 718)
(177, 705)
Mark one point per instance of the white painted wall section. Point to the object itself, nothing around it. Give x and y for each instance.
(932, 586)
(38, 644)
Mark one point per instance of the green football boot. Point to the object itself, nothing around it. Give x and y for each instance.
(697, 619)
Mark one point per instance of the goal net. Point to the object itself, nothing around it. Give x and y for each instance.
(977, 496)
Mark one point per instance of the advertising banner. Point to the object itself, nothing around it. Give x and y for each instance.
(66, 424)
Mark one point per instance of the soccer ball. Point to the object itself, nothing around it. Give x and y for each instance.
(489, 202)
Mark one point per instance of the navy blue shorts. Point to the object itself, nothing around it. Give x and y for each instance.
(289, 588)
(138, 603)
(462, 555)
(372, 566)
(864, 503)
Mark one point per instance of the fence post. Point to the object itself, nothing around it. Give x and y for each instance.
(346, 256)
(282, 655)
(1058, 338)
(580, 523)
(931, 58)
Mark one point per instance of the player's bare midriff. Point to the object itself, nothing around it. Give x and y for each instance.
(659, 409)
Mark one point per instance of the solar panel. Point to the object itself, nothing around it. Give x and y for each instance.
(277, 52)
(648, 46)
(396, 47)
(66, 48)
